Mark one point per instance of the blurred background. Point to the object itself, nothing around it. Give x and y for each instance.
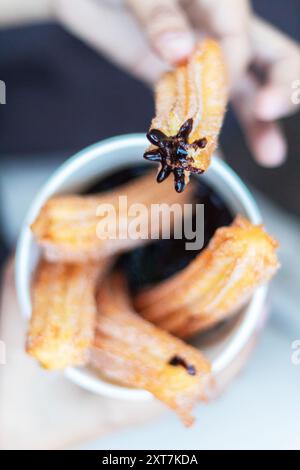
(63, 96)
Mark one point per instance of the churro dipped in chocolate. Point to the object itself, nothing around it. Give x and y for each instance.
(133, 352)
(190, 106)
(76, 228)
(62, 323)
(217, 282)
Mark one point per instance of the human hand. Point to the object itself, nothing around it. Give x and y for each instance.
(145, 37)
(267, 93)
(41, 409)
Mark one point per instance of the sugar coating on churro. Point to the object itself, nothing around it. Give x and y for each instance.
(133, 352)
(217, 282)
(68, 227)
(190, 107)
(61, 328)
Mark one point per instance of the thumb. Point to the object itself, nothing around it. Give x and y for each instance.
(265, 138)
(166, 26)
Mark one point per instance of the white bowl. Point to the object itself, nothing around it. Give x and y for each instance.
(80, 171)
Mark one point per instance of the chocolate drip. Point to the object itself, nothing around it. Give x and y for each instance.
(179, 361)
(172, 153)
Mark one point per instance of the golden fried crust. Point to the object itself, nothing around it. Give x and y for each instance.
(69, 227)
(135, 353)
(216, 284)
(190, 107)
(61, 328)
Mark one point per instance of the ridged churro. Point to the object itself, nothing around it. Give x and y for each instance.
(217, 282)
(133, 352)
(62, 323)
(190, 106)
(69, 227)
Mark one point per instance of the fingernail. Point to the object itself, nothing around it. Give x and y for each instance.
(271, 150)
(175, 47)
(271, 104)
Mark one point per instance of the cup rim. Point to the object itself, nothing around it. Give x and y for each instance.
(77, 161)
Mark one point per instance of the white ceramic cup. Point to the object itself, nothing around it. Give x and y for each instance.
(224, 348)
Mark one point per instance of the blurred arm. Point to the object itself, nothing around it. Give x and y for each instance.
(15, 12)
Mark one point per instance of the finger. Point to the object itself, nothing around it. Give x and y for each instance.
(282, 59)
(265, 139)
(114, 32)
(228, 21)
(267, 142)
(8, 301)
(7, 277)
(167, 27)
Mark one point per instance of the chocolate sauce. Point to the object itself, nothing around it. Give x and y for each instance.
(161, 259)
(117, 178)
(179, 361)
(172, 153)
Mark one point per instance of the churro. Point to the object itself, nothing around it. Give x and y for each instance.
(133, 352)
(217, 282)
(62, 323)
(76, 228)
(190, 106)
